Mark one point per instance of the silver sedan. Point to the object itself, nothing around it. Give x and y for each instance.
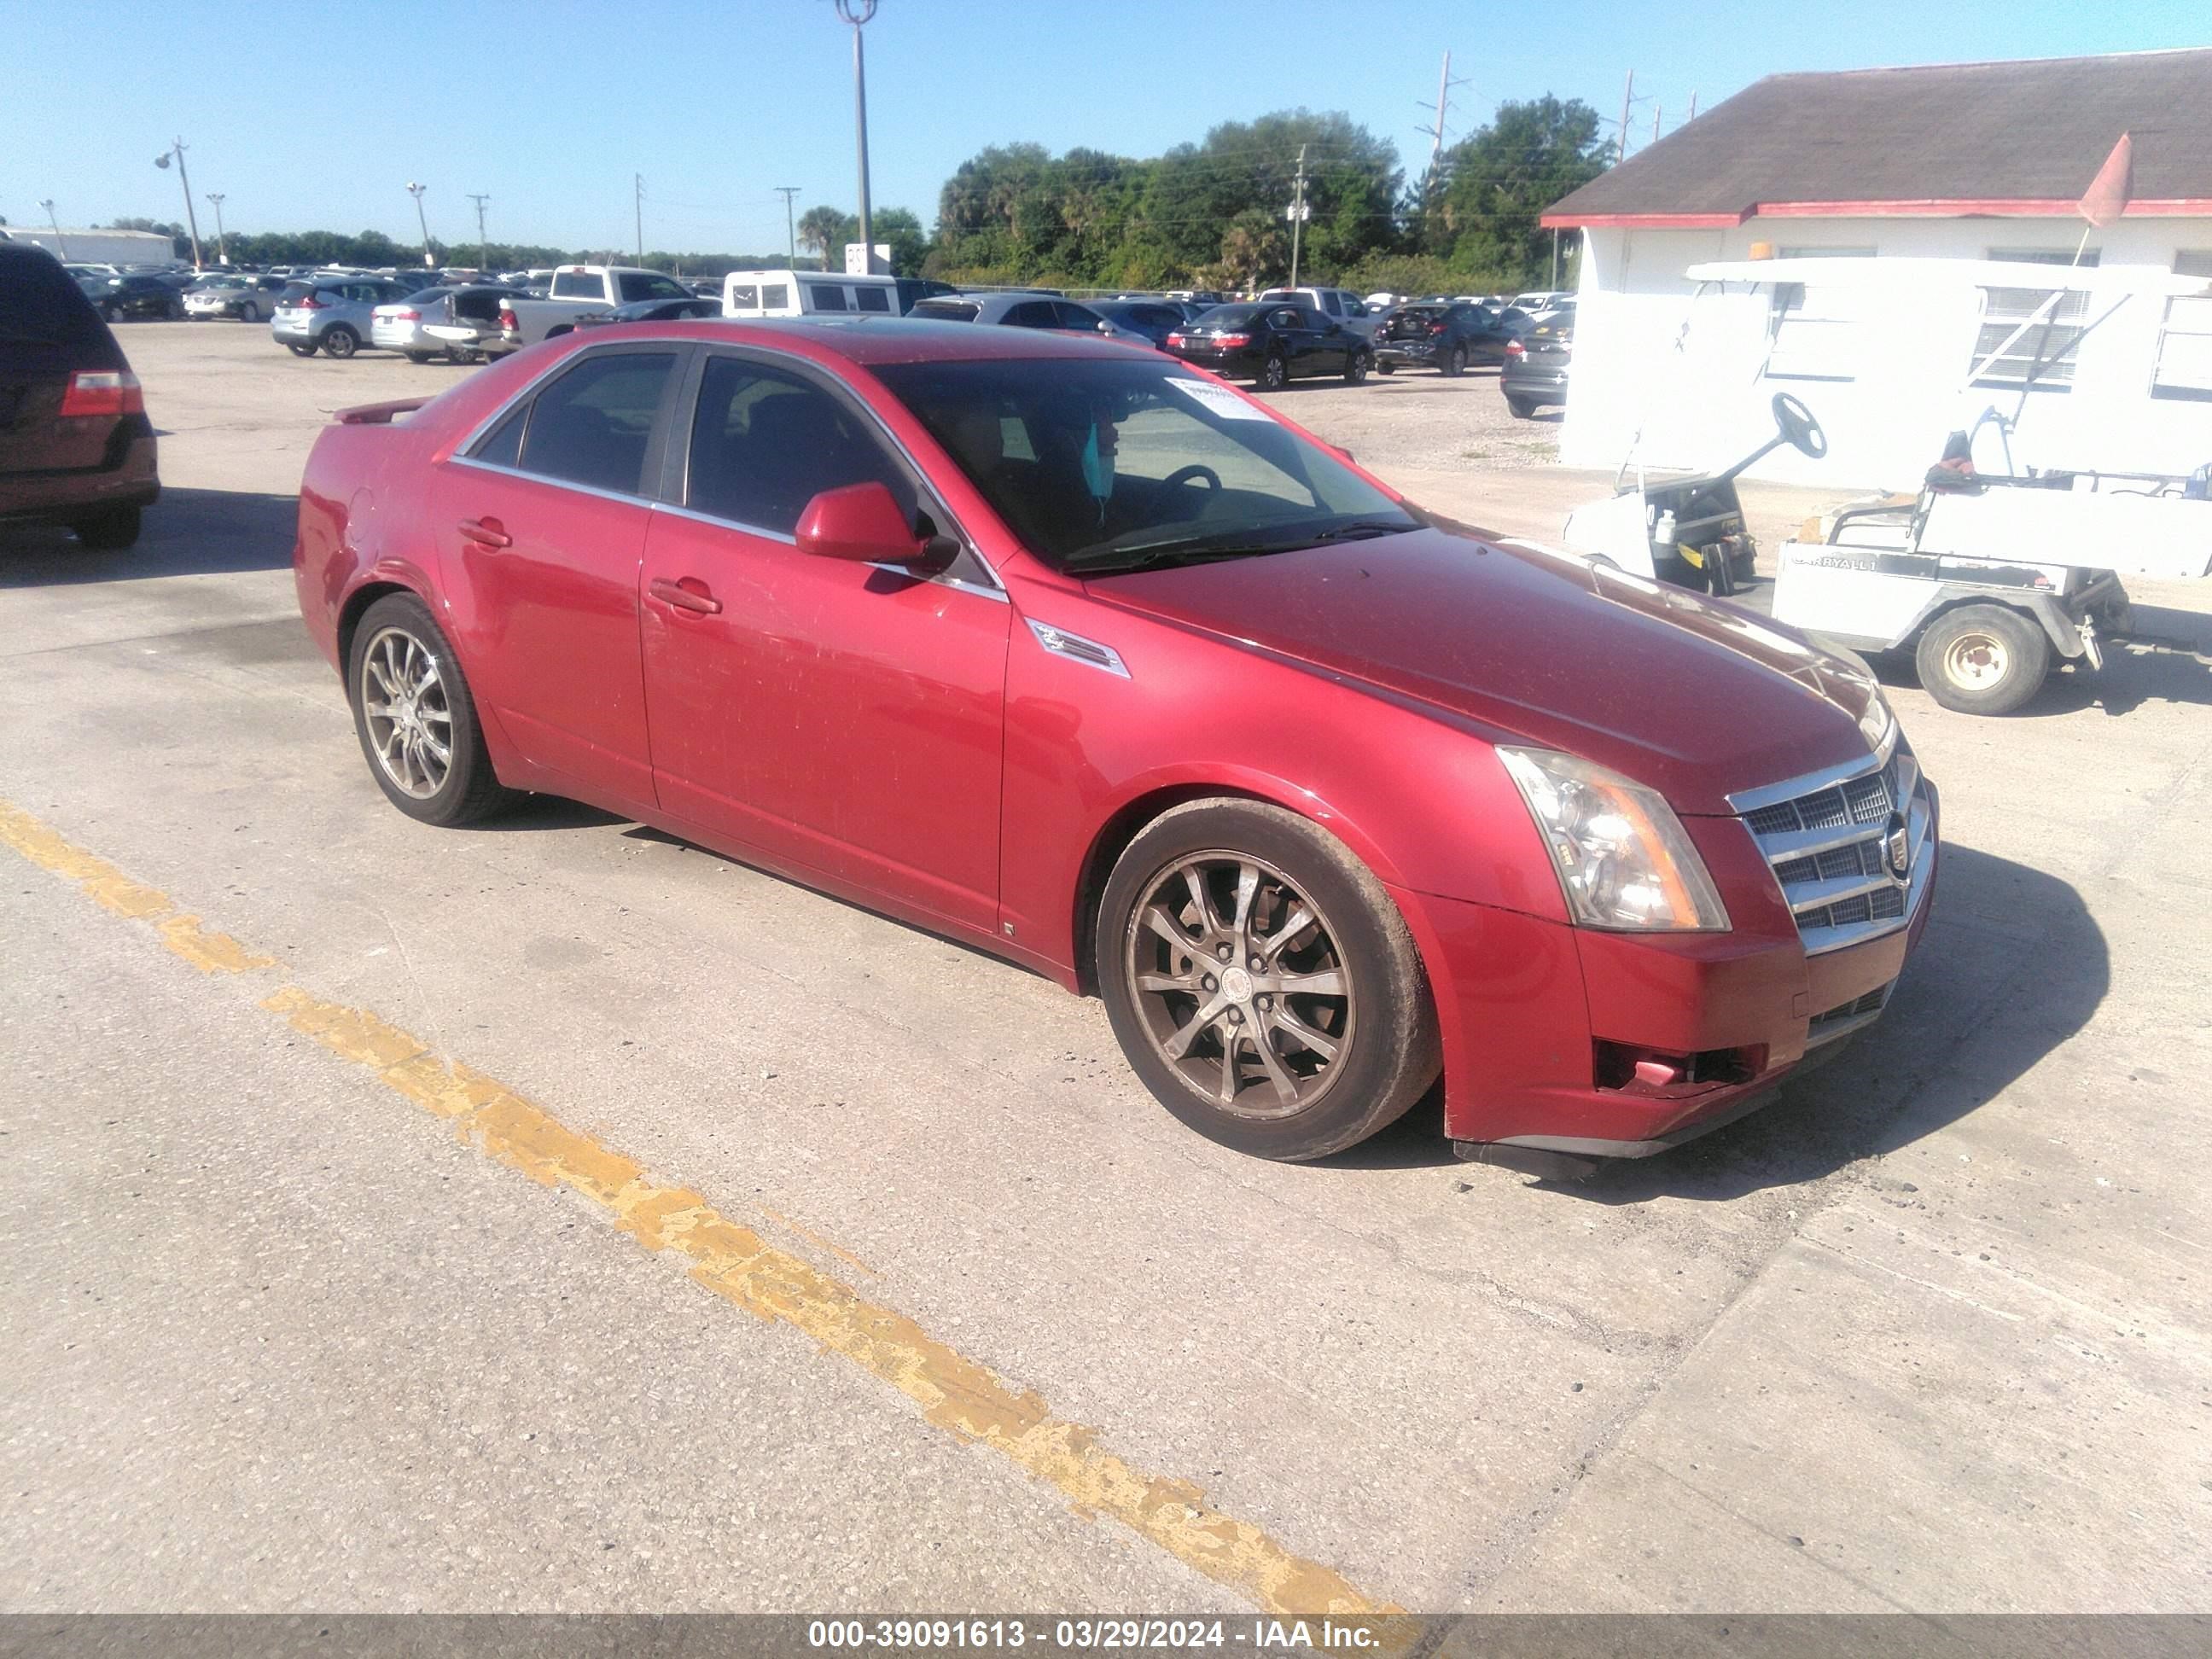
(454, 323)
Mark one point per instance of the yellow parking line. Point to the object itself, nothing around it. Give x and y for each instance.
(960, 1395)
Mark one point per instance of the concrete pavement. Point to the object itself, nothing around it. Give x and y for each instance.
(1931, 1332)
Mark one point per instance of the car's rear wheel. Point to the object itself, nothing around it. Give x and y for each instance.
(415, 718)
(109, 531)
(249, 312)
(420, 356)
(1520, 408)
(340, 341)
(1386, 368)
(299, 350)
(1455, 361)
(1275, 372)
(1261, 983)
(1982, 659)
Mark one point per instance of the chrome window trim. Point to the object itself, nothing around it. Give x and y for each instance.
(768, 535)
(698, 517)
(1750, 800)
(629, 496)
(1074, 647)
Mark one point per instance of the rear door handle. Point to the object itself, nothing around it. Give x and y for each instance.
(486, 532)
(688, 594)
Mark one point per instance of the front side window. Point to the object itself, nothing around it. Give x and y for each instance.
(646, 285)
(592, 426)
(2185, 342)
(765, 442)
(1101, 465)
(872, 299)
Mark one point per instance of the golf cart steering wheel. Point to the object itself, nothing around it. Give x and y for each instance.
(1799, 429)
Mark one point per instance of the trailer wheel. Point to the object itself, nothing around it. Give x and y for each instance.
(1982, 659)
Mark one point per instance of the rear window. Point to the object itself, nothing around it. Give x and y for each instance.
(1232, 316)
(947, 311)
(578, 285)
(824, 296)
(41, 306)
(775, 296)
(743, 296)
(295, 291)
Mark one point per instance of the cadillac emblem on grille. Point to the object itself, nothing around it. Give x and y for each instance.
(1897, 848)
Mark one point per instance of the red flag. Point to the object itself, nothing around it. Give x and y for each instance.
(2107, 198)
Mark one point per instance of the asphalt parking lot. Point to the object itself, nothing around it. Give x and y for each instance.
(771, 1255)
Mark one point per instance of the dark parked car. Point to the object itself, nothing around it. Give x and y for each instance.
(1446, 336)
(1272, 344)
(1535, 369)
(653, 311)
(76, 447)
(1153, 318)
(138, 293)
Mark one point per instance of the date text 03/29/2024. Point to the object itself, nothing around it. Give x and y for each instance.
(1252, 1635)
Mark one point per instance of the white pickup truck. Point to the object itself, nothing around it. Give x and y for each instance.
(577, 289)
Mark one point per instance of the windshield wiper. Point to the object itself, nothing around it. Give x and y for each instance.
(1227, 544)
(1362, 531)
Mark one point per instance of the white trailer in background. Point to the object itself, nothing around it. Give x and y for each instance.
(97, 247)
(1995, 568)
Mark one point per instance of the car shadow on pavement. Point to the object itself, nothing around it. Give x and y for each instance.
(2012, 962)
(188, 532)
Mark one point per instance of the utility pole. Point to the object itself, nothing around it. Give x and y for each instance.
(637, 205)
(415, 190)
(484, 244)
(857, 13)
(1693, 107)
(192, 219)
(1443, 107)
(790, 230)
(1656, 110)
(49, 205)
(1298, 215)
(1627, 97)
(221, 248)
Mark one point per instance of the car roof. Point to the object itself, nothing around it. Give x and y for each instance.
(878, 339)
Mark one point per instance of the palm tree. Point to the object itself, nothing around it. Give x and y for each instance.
(818, 227)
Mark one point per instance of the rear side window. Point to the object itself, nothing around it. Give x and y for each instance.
(1032, 314)
(765, 442)
(824, 296)
(776, 296)
(41, 306)
(872, 299)
(593, 424)
(1077, 317)
(745, 296)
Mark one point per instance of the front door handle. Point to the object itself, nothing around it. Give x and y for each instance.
(688, 594)
(486, 532)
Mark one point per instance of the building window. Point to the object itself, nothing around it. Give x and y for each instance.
(2009, 357)
(2185, 343)
(1812, 333)
(1829, 253)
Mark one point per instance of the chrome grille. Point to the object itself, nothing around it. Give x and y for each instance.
(1825, 841)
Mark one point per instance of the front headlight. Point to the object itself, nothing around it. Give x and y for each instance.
(1875, 721)
(1623, 858)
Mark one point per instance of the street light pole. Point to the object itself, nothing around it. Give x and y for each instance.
(415, 190)
(637, 205)
(192, 219)
(49, 205)
(221, 248)
(790, 230)
(484, 245)
(857, 13)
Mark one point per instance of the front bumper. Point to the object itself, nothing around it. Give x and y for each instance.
(1543, 1023)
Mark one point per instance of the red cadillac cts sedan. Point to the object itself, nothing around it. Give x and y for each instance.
(1073, 653)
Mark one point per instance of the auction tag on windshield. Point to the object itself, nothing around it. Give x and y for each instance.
(1218, 400)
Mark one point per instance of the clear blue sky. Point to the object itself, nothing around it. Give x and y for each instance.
(315, 116)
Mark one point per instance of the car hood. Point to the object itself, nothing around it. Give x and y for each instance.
(1695, 698)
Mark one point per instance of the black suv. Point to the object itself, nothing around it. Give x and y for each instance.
(1443, 335)
(76, 447)
(138, 293)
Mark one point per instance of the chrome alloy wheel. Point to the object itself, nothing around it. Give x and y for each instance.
(1237, 978)
(1977, 661)
(411, 725)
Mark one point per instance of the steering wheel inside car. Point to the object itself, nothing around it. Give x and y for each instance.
(1183, 475)
(1799, 429)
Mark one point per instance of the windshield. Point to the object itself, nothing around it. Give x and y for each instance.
(1102, 466)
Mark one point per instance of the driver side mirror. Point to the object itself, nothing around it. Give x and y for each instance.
(1105, 327)
(863, 524)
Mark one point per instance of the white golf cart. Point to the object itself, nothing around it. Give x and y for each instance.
(1992, 571)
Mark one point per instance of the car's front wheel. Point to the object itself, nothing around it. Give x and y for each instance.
(415, 718)
(1261, 981)
(1455, 361)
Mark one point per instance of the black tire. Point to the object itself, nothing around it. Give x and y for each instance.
(469, 791)
(339, 340)
(173, 311)
(249, 312)
(1356, 365)
(1386, 368)
(112, 313)
(1520, 408)
(1275, 373)
(1455, 361)
(109, 531)
(298, 350)
(420, 356)
(1982, 659)
(1387, 1052)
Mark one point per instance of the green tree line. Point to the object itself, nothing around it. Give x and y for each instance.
(1208, 215)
